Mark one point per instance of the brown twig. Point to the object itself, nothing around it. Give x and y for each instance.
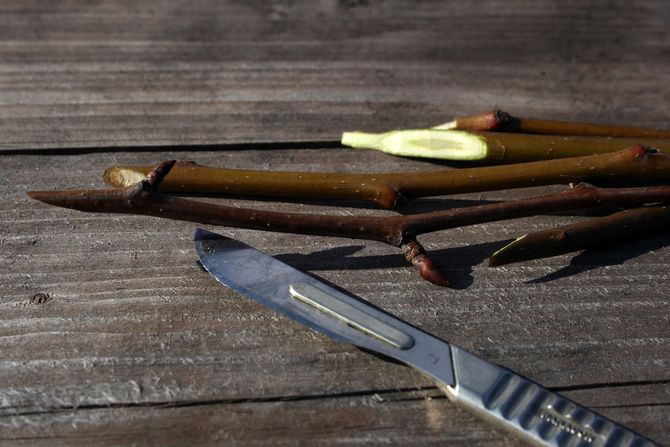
(499, 121)
(491, 147)
(623, 225)
(399, 231)
(633, 164)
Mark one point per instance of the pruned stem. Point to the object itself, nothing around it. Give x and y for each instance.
(191, 178)
(633, 164)
(616, 227)
(500, 121)
(493, 121)
(491, 147)
(395, 230)
(575, 237)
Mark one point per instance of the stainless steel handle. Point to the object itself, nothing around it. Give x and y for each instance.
(530, 411)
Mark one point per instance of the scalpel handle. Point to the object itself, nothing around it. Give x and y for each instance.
(530, 411)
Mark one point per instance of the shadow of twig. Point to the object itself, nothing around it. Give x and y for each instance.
(456, 262)
(600, 256)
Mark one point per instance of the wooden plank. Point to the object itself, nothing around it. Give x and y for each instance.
(358, 420)
(81, 74)
(133, 323)
(425, 418)
(111, 334)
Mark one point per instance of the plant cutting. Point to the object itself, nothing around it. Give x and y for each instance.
(401, 231)
(553, 139)
(590, 233)
(478, 138)
(490, 147)
(635, 164)
(500, 121)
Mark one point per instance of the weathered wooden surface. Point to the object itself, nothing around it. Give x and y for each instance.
(82, 73)
(135, 344)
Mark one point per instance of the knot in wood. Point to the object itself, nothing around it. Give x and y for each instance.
(40, 298)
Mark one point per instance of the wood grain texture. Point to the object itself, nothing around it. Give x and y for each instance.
(111, 334)
(174, 72)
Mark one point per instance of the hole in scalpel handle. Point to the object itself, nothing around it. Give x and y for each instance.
(349, 315)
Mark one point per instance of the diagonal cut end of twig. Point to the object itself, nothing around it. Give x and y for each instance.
(620, 226)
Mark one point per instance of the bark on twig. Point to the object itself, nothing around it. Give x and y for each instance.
(633, 164)
(490, 147)
(500, 121)
(616, 227)
(575, 237)
(399, 231)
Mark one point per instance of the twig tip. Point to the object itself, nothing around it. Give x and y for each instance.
(156, 176)
(427, 268)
